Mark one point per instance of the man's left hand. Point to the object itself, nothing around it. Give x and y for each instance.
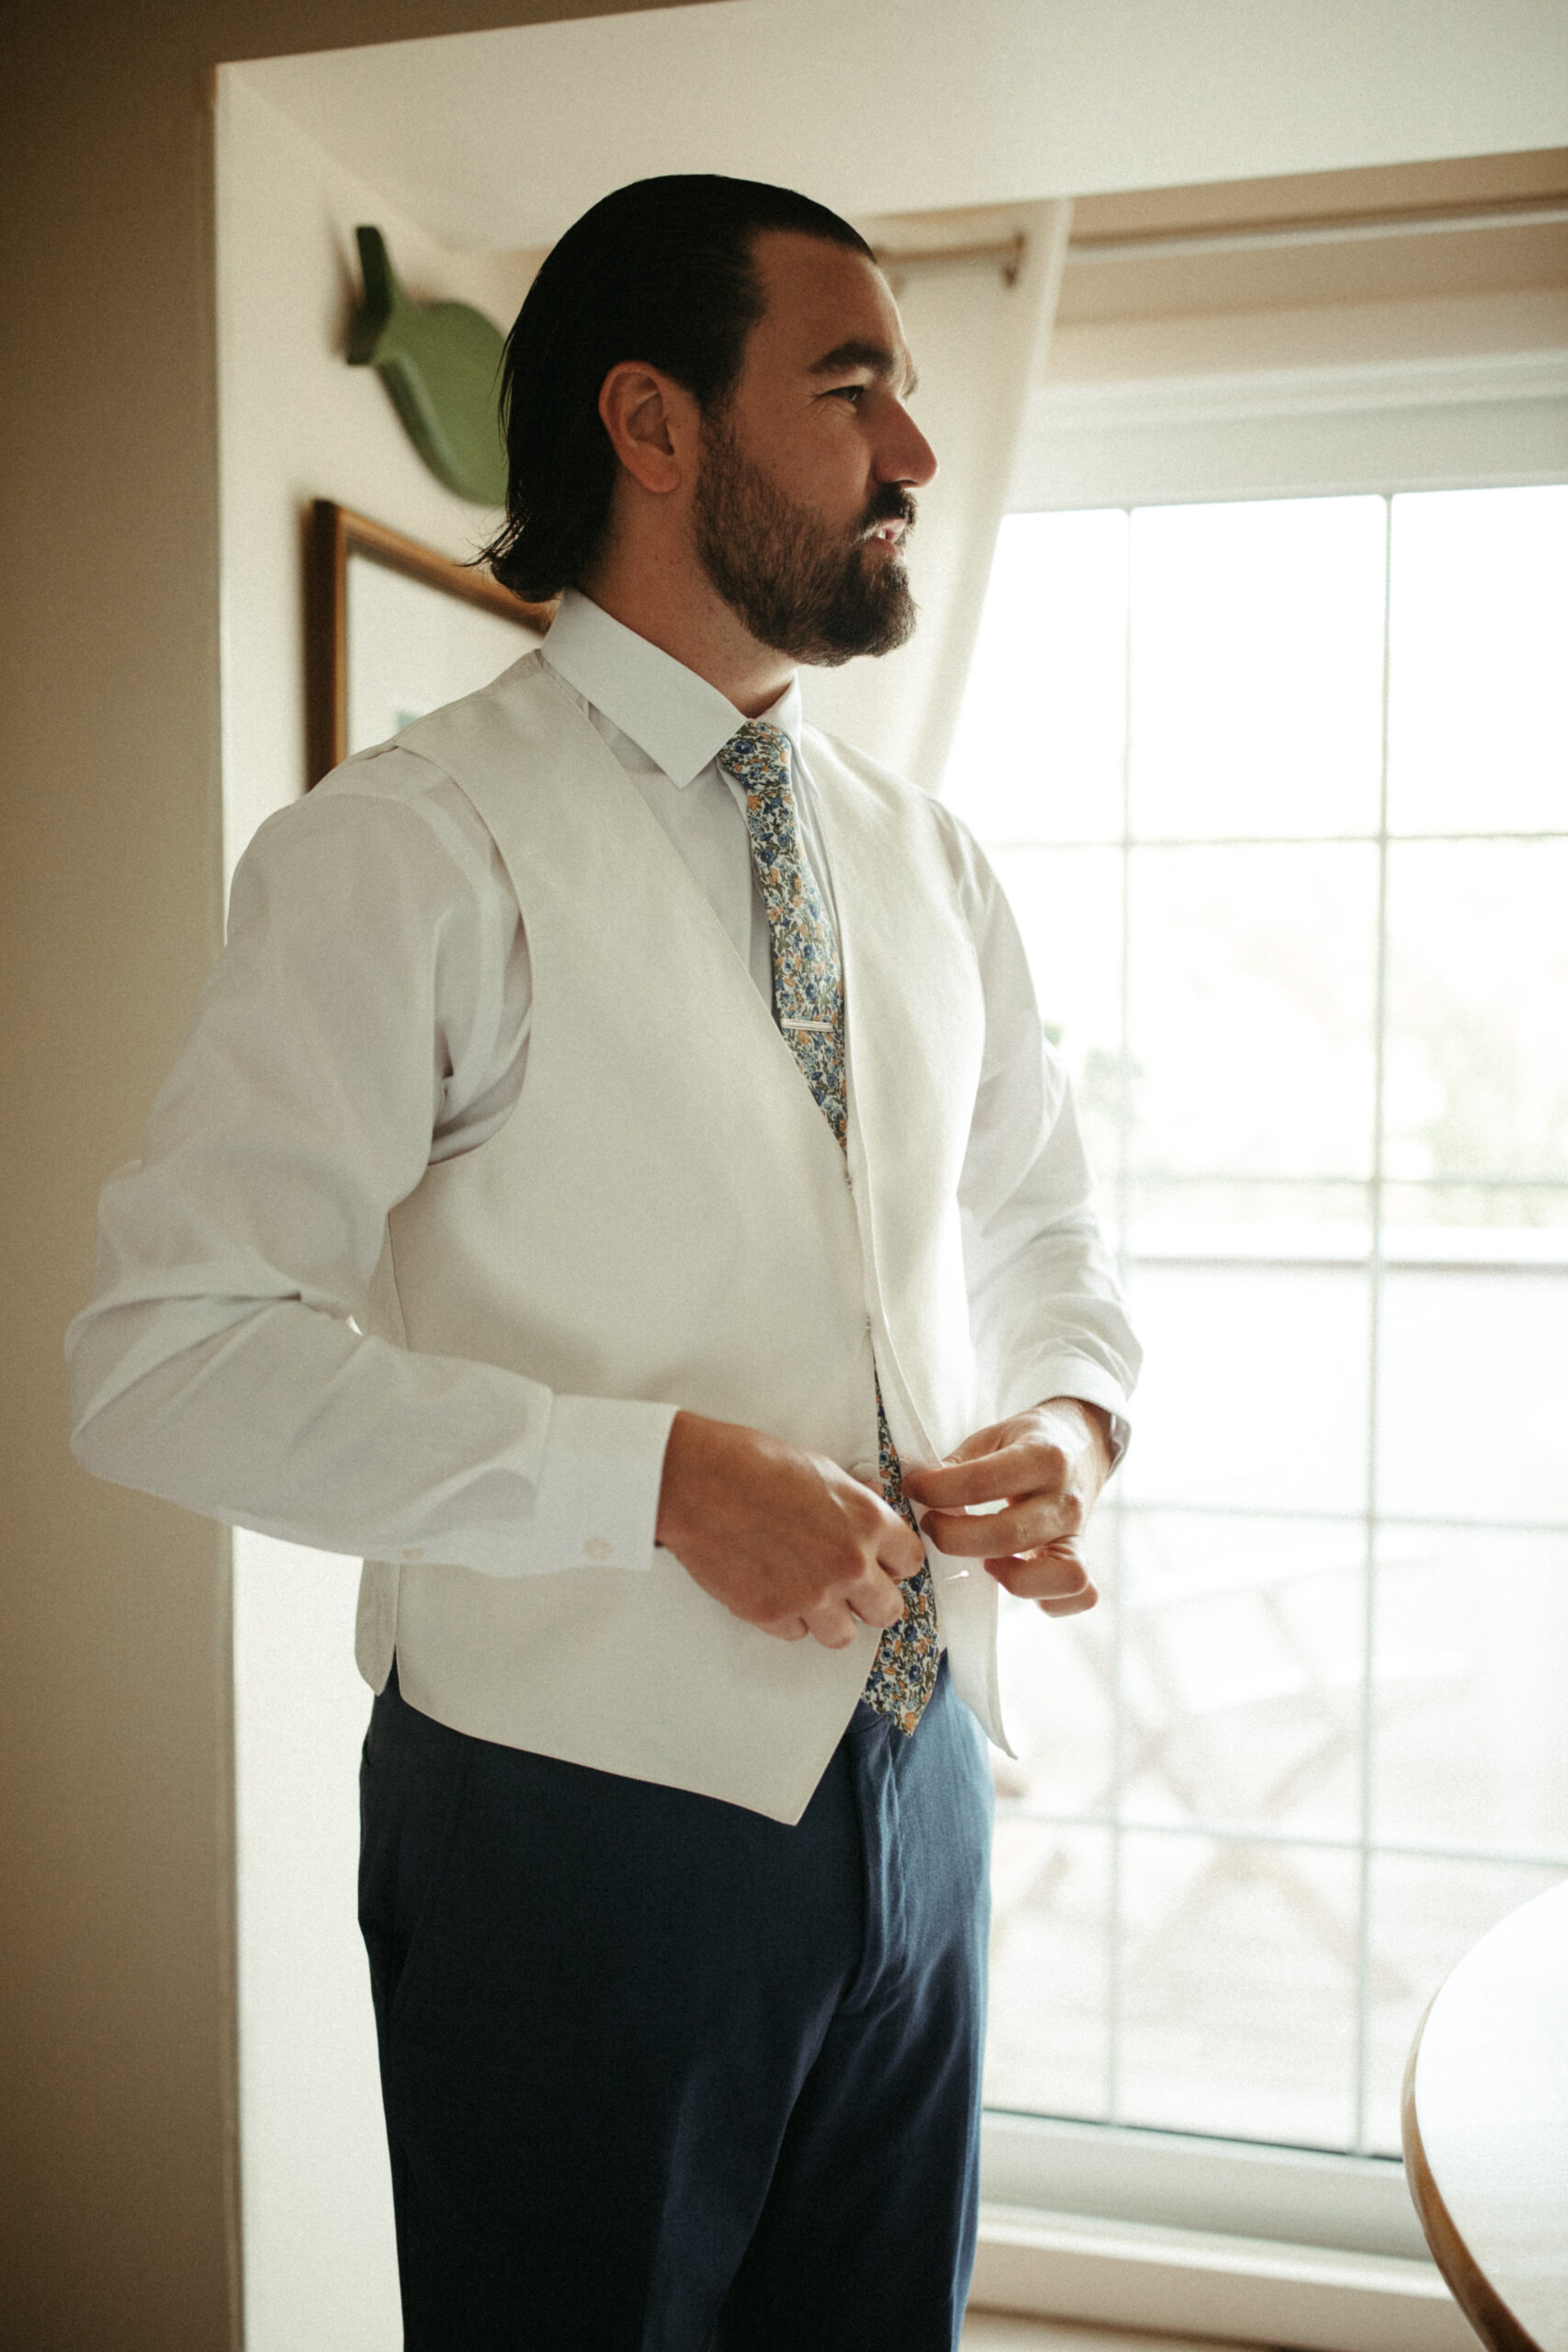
(1047, 1467)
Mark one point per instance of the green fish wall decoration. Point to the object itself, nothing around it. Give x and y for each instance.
(441, 363)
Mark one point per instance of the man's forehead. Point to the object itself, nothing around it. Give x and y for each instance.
(832, 305)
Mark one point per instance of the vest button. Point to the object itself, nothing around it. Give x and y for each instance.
(597, 1549)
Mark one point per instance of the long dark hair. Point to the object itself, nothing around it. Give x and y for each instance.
(660, 271)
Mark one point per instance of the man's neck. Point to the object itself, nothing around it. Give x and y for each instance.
(687, 618)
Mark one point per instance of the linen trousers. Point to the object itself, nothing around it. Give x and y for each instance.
(662, 2074)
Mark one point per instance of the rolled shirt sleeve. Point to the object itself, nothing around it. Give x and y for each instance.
(368, 1014)
(1046, 1308)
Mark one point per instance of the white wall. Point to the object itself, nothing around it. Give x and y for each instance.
(296, 423)
(904, 106)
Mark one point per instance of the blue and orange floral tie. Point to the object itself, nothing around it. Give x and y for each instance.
(808, 1004)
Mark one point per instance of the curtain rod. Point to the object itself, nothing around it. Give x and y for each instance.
(1006, 254)
(1330, 229)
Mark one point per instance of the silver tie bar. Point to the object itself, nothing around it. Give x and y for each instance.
(804, 1024)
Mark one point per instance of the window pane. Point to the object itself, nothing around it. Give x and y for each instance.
(1209, 1217)
(1046, 2043)
(1424, 1917)
(1257, 667)
(1219, 1700)
(1477, 1074)
(1242, 1649)
(1252, 1007)
(1470, 1734)
(1238, 1988)
(1523, 1224)
(1474, 1395)
(1253, 1390)
(1056, 1675)
(1478, 682)
(1037, 751)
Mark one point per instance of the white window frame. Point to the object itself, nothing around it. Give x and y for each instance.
(1492, 420)
(1154, 2229)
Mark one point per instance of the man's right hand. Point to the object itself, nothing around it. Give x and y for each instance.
(784, 1539)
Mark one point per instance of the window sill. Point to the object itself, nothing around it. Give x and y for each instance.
(1243, 2289)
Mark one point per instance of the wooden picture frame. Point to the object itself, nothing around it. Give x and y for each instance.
(337, 536)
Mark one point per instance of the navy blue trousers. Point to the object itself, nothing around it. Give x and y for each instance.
(663, 2076)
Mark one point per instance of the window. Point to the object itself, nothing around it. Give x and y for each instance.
(1280, 791)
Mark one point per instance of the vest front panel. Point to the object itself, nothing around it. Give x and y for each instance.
(665, 1215)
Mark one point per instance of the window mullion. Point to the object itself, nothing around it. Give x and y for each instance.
(1374, 1339)
(1115, 1938)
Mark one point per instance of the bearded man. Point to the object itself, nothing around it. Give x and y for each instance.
(616, 1183)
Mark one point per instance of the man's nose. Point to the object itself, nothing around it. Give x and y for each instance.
(907, 457)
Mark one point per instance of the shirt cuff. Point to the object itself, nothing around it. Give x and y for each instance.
(597, 1500)
(1077, 1376)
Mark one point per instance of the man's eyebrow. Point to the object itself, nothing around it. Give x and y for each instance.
(877, 356)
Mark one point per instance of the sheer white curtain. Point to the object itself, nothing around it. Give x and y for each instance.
(980, 347)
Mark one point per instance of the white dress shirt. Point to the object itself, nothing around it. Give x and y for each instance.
(370, 1014)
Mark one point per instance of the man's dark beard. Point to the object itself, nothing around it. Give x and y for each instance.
(799, 587)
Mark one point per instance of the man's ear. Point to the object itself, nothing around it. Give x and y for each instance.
(650, 421)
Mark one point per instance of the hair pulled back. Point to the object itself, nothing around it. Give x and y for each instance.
(662, 272)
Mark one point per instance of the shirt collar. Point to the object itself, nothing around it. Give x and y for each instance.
(680, 720)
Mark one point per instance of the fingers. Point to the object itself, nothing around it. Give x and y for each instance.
(1065, 1605)
(846, 1602)
(839, 1622)
(901, 1553)
(784, 1629)
(833, 1627)
(1055, 1579)
(786, 1541)
(875, 1600)
(987, 1478)
(872, 1599)
(1024, 1527)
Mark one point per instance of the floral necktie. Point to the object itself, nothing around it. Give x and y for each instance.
(808, 1004)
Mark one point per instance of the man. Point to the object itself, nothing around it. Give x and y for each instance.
(614, 1176)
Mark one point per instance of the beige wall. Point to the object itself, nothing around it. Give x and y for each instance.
(117, 2053)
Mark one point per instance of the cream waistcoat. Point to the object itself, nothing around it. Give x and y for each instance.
(665, 1215)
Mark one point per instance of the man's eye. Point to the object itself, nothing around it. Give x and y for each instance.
(854, 394)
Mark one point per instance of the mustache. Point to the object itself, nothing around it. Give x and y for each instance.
(889, 504)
